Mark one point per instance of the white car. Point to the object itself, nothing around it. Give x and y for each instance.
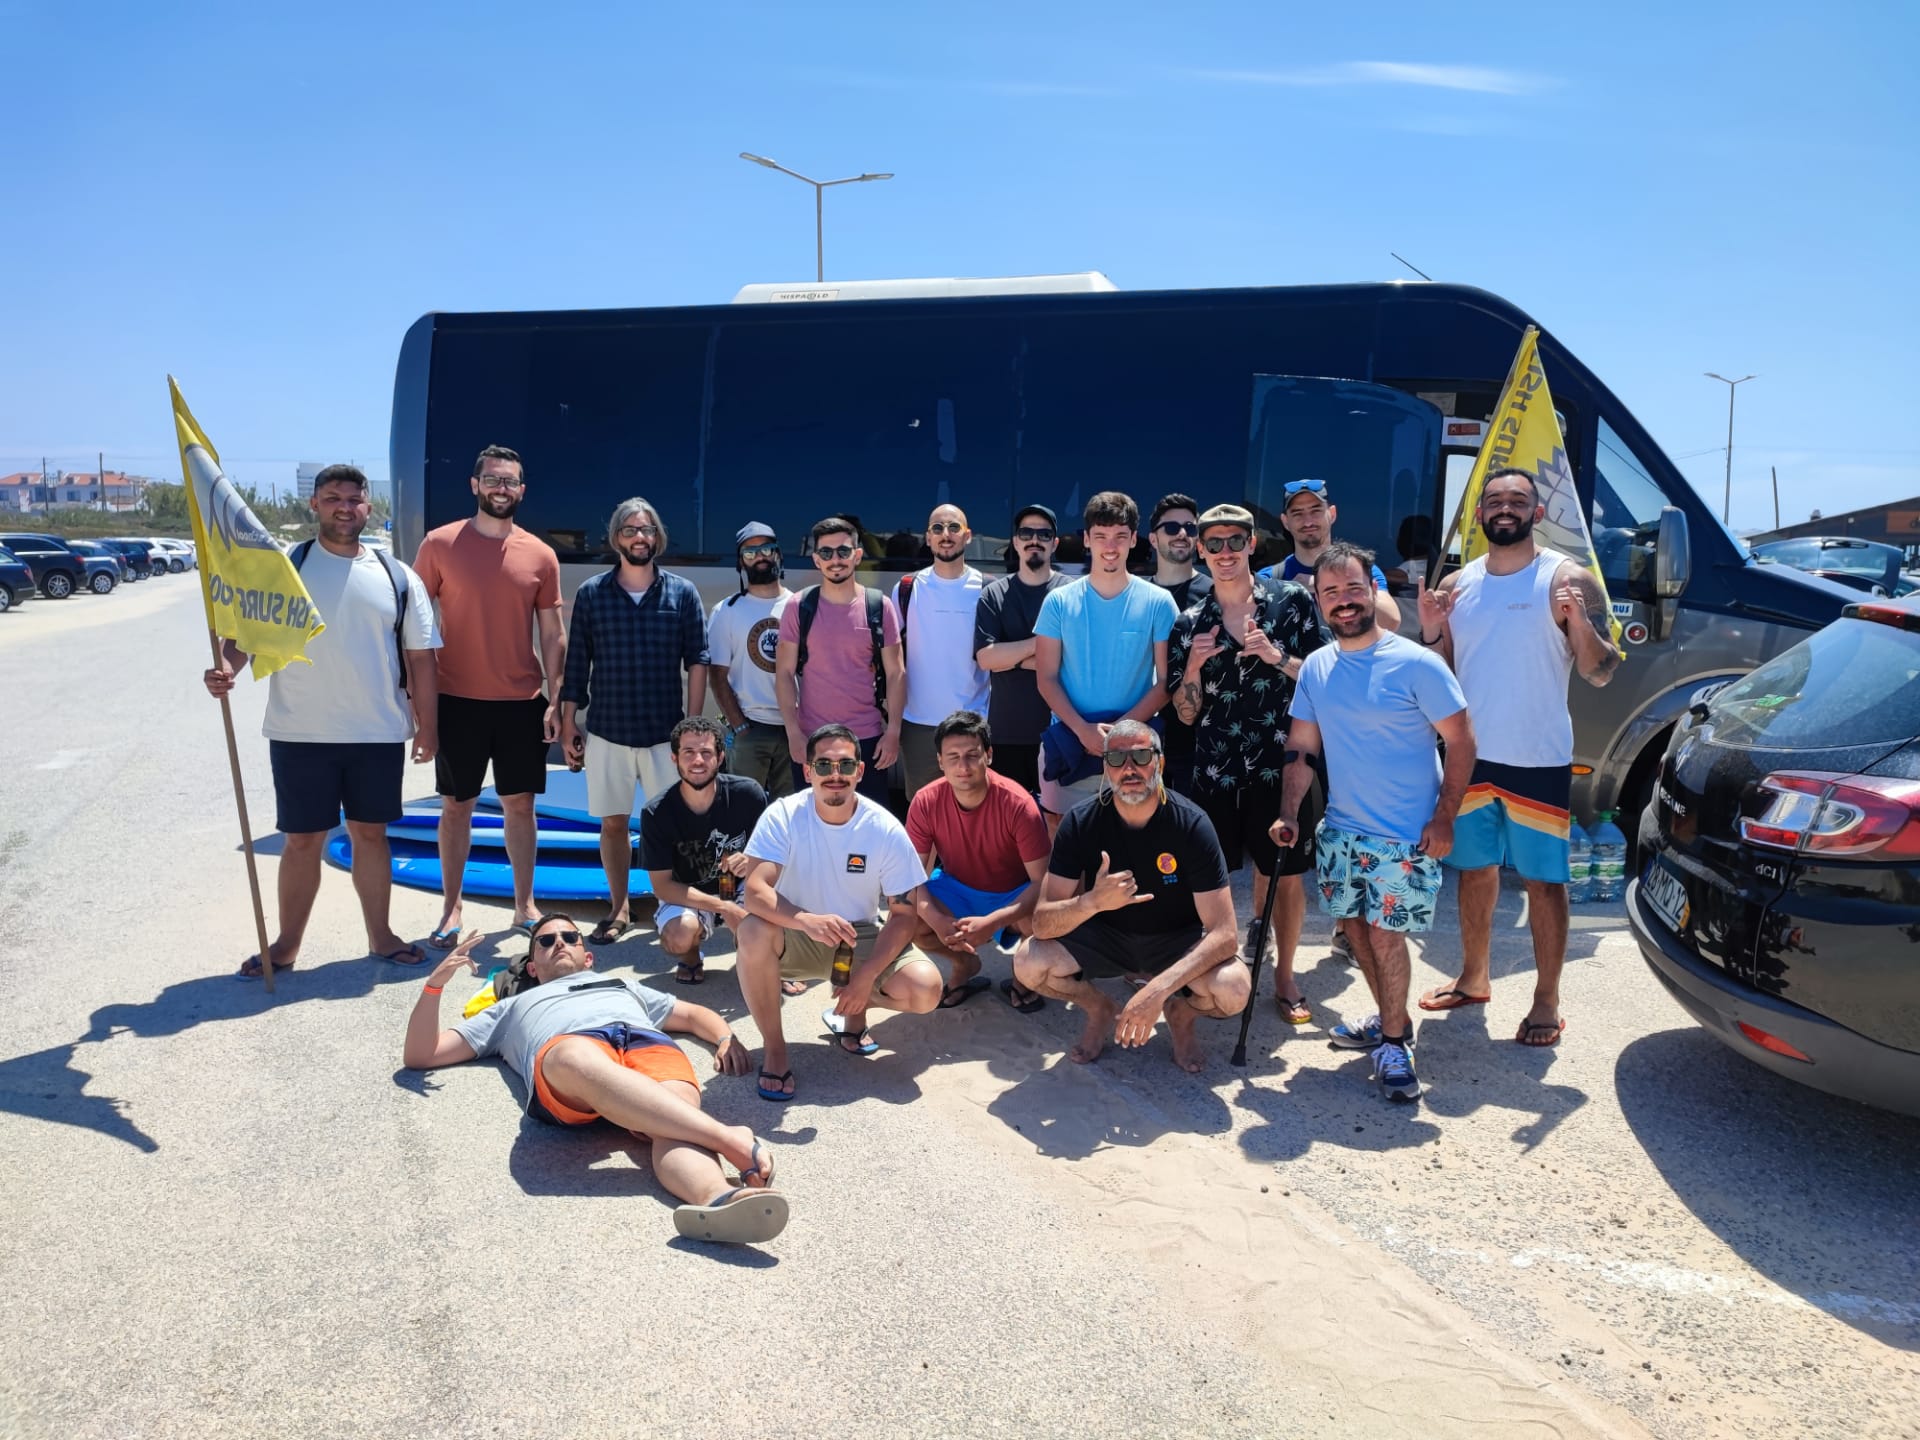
(180, 553)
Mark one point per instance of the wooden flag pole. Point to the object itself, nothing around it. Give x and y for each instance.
(246, 828)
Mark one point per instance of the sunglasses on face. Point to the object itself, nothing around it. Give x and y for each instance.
(945, 527)
(1318, 487)
(834, 552)
(1235, 542)
(1171, 528)
(634, 532)
(1507, 503)
(756, 552)
(1033, 532)
(1140, 757)
(553, 937)
(824, 768)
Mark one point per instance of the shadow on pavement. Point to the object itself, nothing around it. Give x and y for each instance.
(1820, 1195)
(1068, 1111)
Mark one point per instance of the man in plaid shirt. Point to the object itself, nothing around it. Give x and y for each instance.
(634, 629)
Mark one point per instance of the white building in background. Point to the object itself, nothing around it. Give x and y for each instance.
(303, 476)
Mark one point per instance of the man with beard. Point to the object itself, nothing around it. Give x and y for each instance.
(1003, 645)
(635, 629)
(822, 864)
(743, 637)
(839, 658)
(937, 607)
(337, 728)
(1371, 704)
(1137, 890)
(1307, 513)
(693, 842)
(1171, 530)
(1232, 663)
(493, 583)
(1512, 623)
(1100, 654)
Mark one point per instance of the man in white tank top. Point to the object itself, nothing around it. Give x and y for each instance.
(1512, 624)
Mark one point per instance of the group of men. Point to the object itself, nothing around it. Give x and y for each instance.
(1085, 759)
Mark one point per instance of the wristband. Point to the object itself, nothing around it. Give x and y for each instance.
(432, 989)
(1434, 641)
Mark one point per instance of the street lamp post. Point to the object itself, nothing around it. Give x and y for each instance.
(1726, 503)
(819, 191)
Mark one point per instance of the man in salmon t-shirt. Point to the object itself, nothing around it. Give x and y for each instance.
(493, 582)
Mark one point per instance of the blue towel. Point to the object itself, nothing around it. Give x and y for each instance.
(1064, 760)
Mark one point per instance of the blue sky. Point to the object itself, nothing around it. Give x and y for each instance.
(262, 202)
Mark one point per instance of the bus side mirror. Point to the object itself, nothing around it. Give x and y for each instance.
(1672, 555)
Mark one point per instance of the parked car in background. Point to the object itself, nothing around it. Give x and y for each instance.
(137, 561)
(189, 552)
(142, 553)
(16, 580)
(1864, 565)
(177, 553)
(1780, 900)
(57, 570)
(105, 568)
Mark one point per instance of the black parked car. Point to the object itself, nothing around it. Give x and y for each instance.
(1780, 900)
(16, 580)
(105, 568)
(56, 569)
(145, 563)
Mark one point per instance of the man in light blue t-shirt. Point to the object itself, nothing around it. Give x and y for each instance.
(1369, 707)
(1099, 651)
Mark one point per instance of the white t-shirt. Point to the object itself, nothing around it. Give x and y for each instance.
(843, 870)
(942, 675)
(742, 635)
(350, 694)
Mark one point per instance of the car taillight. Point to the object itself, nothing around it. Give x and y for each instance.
(1837, 815)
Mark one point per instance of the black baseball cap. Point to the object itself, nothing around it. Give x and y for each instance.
(753, 530)
(1053, 520)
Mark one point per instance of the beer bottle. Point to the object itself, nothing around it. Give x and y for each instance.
(729, 885)
(842, 966)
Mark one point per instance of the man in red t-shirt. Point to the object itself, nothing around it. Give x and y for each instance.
(493, 583)
(987, 836)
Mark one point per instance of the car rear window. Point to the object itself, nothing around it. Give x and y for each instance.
(1857, 682)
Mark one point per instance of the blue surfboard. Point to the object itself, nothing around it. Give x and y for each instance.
(557, 875)
(489, 832)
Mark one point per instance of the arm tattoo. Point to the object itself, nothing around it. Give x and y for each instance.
(1186, 702)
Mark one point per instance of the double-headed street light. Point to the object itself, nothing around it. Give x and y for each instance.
(1726, 504)
(819, 190)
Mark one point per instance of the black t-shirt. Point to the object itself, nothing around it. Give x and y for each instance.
(673, 838)
(1173, 857)
(1007, 610)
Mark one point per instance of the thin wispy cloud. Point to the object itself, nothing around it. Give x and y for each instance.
(1479, 79)
(1020, 89)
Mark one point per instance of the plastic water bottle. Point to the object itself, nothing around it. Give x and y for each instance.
(1579, 865)
(1609, 860)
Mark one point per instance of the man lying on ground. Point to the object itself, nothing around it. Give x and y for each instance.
(593, 1047)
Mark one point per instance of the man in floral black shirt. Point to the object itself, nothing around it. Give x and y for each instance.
(1231, 665)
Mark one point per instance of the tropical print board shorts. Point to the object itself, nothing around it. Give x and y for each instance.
(1388, 883)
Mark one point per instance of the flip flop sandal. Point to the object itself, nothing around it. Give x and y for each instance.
(395, 957)
(1294, 1012)
(1451, 999)
(862, 1043)
(250, 968)
(608, 931)
(690, 973)
(1528, 1027)
(1021, 998)
(760, 1170)
(954, 996)
(444, 939)
(793, 987)
(735, 1217)
(779, 1097)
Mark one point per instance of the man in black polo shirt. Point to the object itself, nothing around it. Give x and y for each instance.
(1137, 889)
(1003, 646)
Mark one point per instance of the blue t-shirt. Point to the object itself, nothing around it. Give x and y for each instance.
(1376, 709)
(1291, 569)
(1106, 646)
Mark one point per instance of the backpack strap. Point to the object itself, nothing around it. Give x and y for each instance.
(396, 577)
(877, 632)
(809, 603)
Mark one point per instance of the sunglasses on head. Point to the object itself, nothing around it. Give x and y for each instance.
(945, 527)
(823, 768)
(1177, 527)
(1318, 487)
(1033, 532)
(1141, 756)
(553, 937)
(1235, 542)
(835, 552)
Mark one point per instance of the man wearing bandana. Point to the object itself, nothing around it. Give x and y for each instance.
(741, 636)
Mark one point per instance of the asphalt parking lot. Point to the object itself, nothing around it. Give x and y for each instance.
(232, 1214)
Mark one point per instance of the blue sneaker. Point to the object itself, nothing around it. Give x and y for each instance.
(1393, 1068)
(1364, 1036)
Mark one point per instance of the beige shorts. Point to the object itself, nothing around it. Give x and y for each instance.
(1058, 799)
(615, 772)
(805, 958)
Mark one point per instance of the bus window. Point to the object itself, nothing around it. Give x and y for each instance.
(1626, 518)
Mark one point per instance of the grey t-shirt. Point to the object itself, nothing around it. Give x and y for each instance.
(516, 1028)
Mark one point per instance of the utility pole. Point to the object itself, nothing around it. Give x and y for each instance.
(103, 481)
(1726, 504)
(46, 500)
(1774, 470)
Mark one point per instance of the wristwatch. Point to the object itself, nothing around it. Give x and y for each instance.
(741, 728)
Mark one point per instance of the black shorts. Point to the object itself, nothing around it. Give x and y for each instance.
(1020, 764)
(1105, 950)
(1241, 819)
(508, 734)
(313, 782)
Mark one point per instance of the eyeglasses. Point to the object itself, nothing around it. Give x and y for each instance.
(1506, 502)
(634, 532)
(945, 527)
(1294, 487)
(1141, 757)
(824, 768)
(554, 937)
(754, 552)
(497, 482)
(835, 552)
(1235, 542)
(1171, 528)
(1033, 532)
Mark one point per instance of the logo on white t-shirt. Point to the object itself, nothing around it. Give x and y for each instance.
(856, 864)
(762, 640)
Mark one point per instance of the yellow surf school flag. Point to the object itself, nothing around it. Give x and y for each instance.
(1525, 435)
(253, 594)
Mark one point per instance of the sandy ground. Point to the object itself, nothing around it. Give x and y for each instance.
(232, 1214)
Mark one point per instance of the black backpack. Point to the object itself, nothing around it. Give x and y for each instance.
(397, 578)
(809, 603)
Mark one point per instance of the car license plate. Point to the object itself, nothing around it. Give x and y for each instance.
(1666, 895)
